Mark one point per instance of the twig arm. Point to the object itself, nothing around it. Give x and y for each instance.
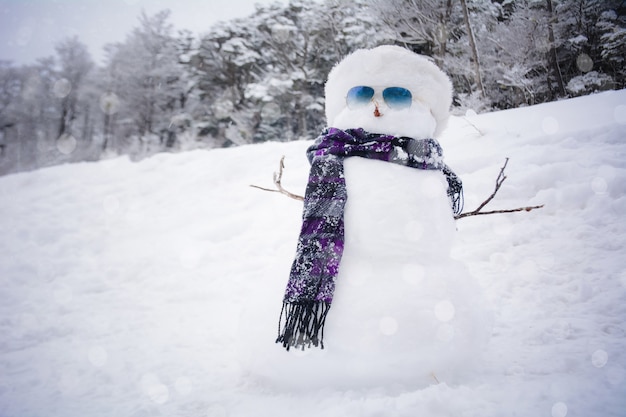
(278, 176)
(480, 213)
(499, 180)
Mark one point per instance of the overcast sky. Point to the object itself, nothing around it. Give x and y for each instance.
(29, 29)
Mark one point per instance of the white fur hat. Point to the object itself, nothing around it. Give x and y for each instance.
(388, 66)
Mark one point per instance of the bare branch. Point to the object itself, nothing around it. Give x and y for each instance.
(278, 176)
(475, 213)
(499, 180)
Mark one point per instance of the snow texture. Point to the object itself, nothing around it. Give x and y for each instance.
(124, 285)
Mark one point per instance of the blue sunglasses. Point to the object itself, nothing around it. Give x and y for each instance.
(396, 97)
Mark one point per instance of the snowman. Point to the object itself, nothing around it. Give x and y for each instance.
(374, 296)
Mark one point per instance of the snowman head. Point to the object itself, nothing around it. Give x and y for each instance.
(388, 90)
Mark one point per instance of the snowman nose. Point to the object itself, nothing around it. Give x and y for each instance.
(377, 112)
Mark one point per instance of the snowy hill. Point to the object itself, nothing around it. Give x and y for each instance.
(123, 284)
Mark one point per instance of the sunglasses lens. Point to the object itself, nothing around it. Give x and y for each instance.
(397, 97)
(359, 96)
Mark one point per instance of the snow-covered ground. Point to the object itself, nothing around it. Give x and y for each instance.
(123, 285)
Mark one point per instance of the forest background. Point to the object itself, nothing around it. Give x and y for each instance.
(261, 78)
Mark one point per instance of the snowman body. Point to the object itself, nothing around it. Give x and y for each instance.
(403, 310)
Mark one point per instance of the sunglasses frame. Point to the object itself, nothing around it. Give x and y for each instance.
(359, 102)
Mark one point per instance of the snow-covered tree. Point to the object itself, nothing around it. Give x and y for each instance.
(424, 26)
(516, 52)
(28, 115)
(74, 65)
(144, 75)
(355, 24)
(262, 77)
(11, 85)
(592, 46)
(453, 33)
(295, 64)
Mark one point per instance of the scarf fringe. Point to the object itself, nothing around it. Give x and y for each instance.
(303, 324)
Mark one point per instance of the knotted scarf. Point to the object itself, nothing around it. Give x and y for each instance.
(311, 282)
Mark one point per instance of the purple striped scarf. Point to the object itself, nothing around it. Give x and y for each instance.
(311, 282)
